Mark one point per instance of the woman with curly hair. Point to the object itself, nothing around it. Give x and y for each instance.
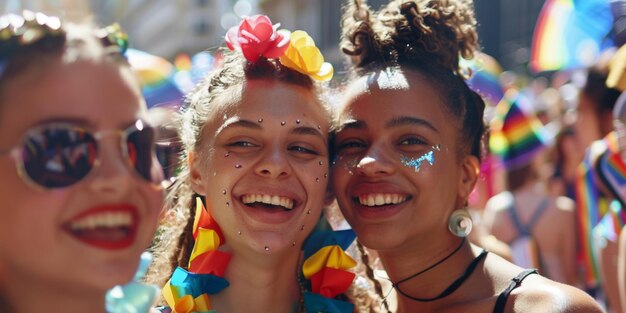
(247, 231)
(407, 155)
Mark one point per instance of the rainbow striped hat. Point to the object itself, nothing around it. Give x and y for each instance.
(516, 134)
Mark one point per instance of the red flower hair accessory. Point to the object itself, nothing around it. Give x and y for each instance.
(256, 37)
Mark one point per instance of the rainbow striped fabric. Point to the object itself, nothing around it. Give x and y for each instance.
(326, 269)
(156, 75)
(591, 206)
(188, 291)
(570, 34)
(516, 133)
(485, 77)
(612, 170)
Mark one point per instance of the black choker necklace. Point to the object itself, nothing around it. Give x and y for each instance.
(452, 287)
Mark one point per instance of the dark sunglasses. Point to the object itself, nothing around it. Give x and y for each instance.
(58, 155)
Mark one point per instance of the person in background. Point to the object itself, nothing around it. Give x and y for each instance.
(596, 204)
(539, 228)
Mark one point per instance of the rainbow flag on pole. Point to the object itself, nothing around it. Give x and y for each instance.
(570, 34)
(516, 133)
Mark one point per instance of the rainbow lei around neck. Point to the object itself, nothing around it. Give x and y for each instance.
(325, 269)
(188, 290)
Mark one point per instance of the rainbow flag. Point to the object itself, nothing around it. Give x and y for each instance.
(612, 170)
(156, 75)
(591, 206)
(570, 34)
(484, 79)
(516, 133)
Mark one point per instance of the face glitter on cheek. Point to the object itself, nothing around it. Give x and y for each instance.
(351, 165)
(416, 163)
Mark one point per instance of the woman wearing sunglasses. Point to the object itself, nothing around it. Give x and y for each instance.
(407, 158)
(79, 180)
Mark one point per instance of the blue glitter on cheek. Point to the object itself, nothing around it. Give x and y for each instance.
(416, 164)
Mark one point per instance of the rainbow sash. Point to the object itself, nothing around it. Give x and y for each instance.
(591, 206)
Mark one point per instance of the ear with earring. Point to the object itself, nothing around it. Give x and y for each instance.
(460, 222)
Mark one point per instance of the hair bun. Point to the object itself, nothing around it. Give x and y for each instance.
(411, 30)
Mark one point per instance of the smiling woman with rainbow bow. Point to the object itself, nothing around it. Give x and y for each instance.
(255, 134)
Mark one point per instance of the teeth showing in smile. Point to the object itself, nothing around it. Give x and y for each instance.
(270, 200)
(106, 219)
(378, 199)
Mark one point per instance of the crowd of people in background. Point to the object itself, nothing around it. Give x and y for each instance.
(462, 196)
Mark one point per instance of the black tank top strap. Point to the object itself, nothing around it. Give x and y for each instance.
(515, 282)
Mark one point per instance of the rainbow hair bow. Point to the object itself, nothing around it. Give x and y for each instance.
(326, 268)
(187, 290)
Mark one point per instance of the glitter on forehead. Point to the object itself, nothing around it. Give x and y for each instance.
(416, 163)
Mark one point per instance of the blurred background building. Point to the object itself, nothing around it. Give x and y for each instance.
(166, 27)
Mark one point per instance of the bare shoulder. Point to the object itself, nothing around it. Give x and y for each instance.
(565, 204)
(500, 202)
(539, 294)
(536, 293)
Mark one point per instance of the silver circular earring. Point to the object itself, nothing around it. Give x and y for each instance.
(460, 223)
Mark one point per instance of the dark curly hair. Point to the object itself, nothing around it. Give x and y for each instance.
(428, 37)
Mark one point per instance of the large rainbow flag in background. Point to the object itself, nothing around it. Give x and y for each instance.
(485, 77)
(570, 34)
(157, 78)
